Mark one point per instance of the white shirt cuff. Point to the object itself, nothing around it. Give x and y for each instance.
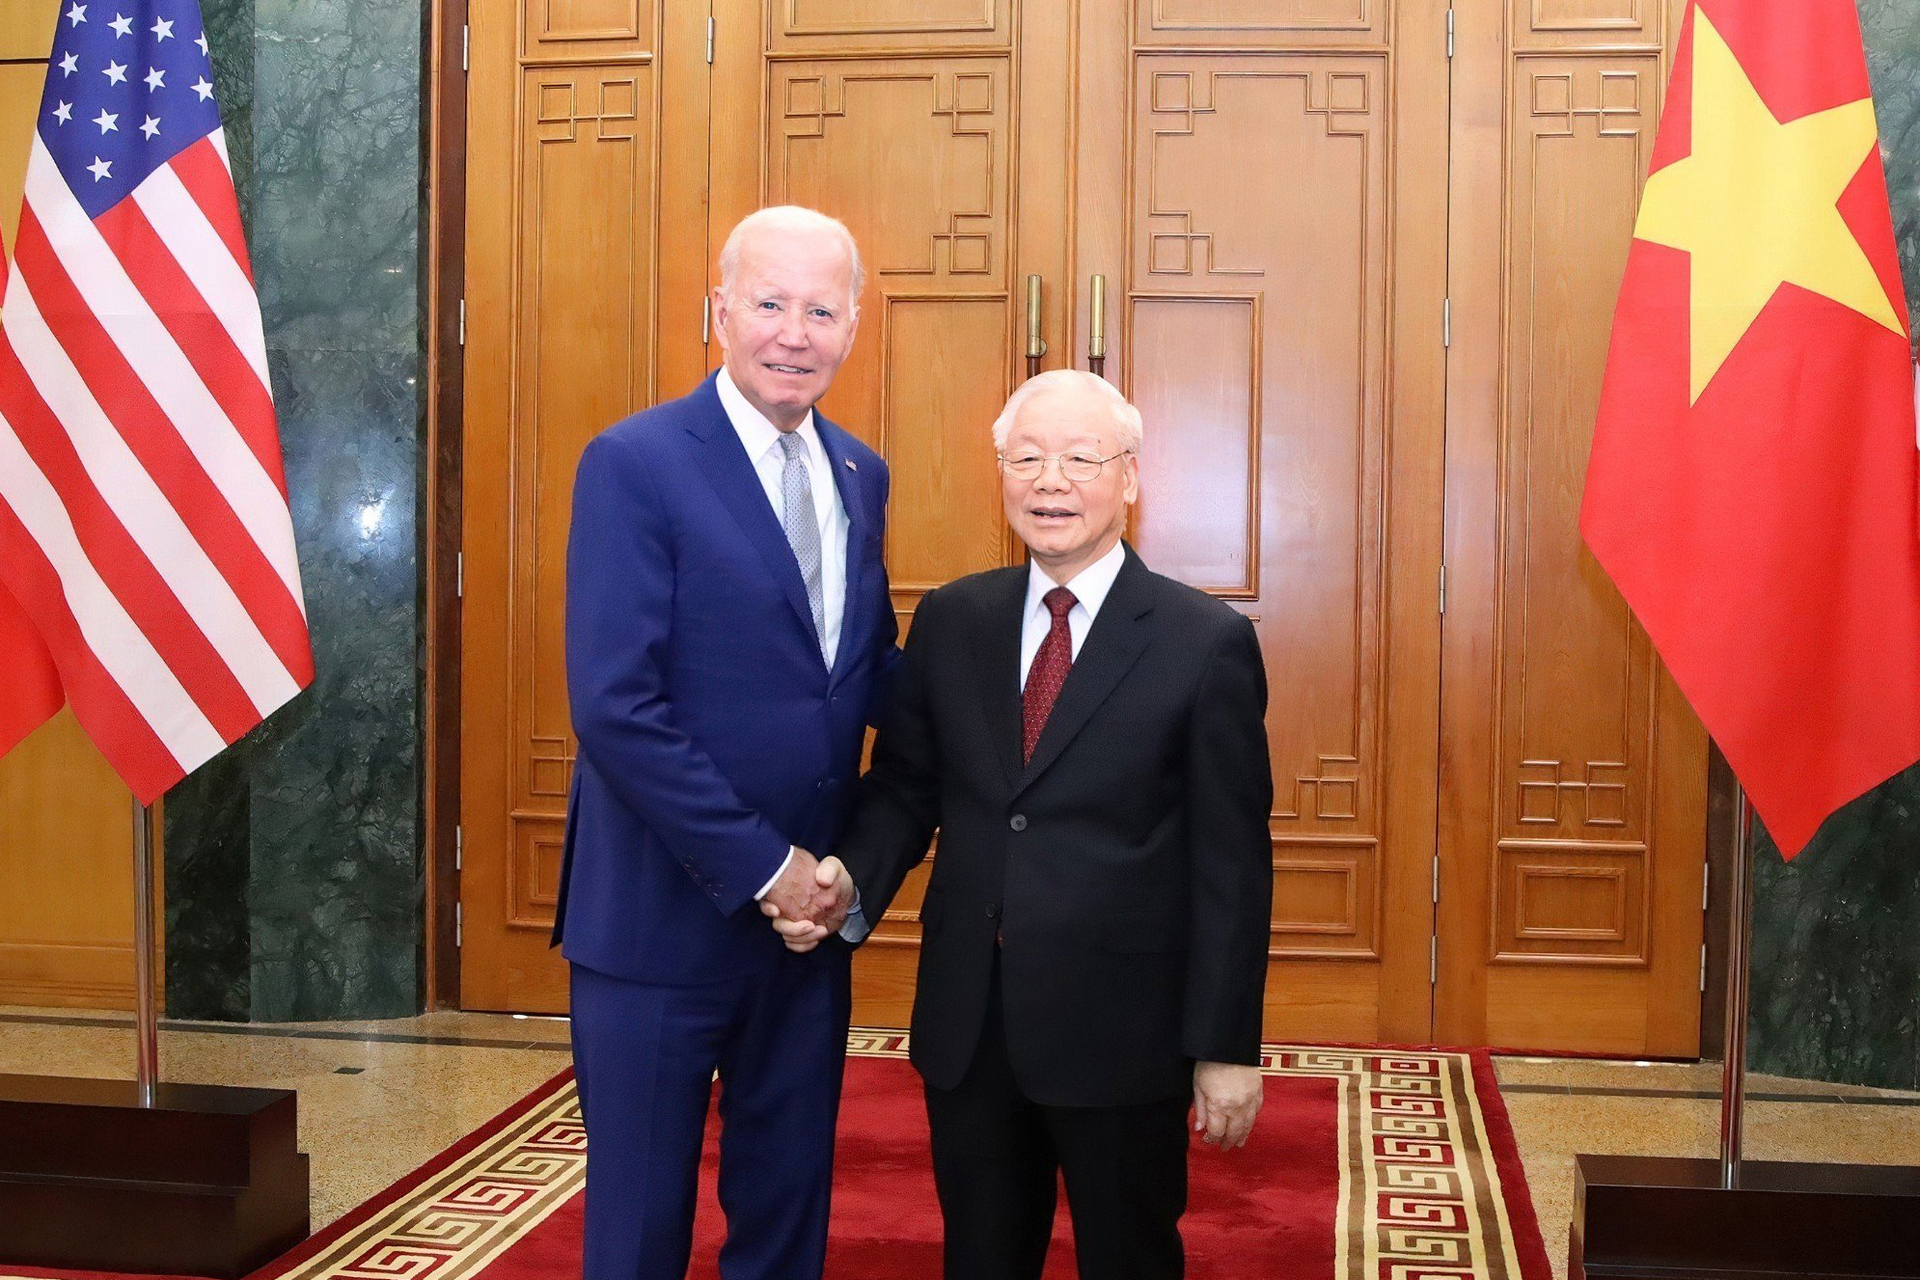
(856, 929)
(784, 864)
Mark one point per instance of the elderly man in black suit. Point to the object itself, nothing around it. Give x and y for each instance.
(1088, 738)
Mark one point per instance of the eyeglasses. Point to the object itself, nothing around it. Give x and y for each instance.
(1077, 467)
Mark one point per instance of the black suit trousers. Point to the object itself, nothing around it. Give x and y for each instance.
(997, 1157)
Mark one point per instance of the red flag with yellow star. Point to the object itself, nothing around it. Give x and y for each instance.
(1754, 488)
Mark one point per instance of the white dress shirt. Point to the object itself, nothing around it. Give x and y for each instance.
(761, 439)
(1090, 587)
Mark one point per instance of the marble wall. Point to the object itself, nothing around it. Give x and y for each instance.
(293, 861)
(1836, 932)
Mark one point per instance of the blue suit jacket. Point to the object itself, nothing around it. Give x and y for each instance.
(711, 733)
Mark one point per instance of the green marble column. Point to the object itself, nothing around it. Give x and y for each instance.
(293, 861)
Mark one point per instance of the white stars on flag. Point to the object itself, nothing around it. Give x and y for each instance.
(151, 127)
(162, 29)
(106, 120)
(64, 113)
(100, 168)
(202, 88)
(156, 78)
(70, 63)
(122, 25)
(77, 14)
(116, 73)
(201, 40)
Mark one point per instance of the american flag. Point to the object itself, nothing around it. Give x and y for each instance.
(145, 536)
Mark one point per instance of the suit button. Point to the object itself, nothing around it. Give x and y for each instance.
(1018, 822)
(993, 911)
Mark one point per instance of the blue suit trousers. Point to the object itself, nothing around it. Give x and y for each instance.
(646, 1054)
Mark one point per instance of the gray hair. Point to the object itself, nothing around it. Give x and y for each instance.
(1126, 418)
(790, 217)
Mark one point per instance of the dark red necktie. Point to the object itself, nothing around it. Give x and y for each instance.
(1048, 672)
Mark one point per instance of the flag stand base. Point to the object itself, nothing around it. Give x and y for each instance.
(1648, 1216)
(202, 1180)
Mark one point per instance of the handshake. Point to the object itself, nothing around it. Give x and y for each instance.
(809, 901)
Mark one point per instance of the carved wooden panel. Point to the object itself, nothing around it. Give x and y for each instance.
(913, 154)
(1255, 24)
(1254, 339)
(586, 29)
(1326, 897)
(1571, 903)
(1576, 683)
(810, 25)
(533, 889)
(1576, 689)
(1201, 513)
(1566, 24)
(582, 343)
(937, 404)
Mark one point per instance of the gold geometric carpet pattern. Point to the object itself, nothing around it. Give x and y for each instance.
(1421, 1199)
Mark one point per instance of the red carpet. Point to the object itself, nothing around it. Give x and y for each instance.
(1369, 1164)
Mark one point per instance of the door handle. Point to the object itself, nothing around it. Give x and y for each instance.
(1097, 327)
(1036, 345)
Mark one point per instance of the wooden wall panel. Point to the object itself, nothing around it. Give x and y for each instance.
(583, 345)
(26, 29)
(944, 520)
(796, 25)
(1573, 779)
(598, 30)
(1196, 373)
(1255, 24)
(66, 859)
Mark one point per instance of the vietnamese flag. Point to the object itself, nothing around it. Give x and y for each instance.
(1754, 489)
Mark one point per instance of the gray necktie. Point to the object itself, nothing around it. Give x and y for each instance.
(803, 527)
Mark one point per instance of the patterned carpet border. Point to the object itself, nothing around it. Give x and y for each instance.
(1439, 1195)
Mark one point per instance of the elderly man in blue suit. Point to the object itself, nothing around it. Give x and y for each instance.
(728, 628)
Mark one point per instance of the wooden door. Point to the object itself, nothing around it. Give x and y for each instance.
(586, 267)
(937, 131)
(1258, 184)
(1573, 776)
(66, 822)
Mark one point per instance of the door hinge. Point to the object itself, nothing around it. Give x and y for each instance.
(1706, 882)
(1443, 594)
(709, 41)
(1436, 879)
(465, 37)
(458, 848)
(1703, 966)
(706, 319)
(459, 575)
(463, 322)
(459, 923)
(1446, 322)
(1449, 33)
(1433, 960)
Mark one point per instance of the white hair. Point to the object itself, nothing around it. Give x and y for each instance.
(1126, 418)
(789, 217)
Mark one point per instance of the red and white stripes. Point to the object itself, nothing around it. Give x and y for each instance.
(144, 524)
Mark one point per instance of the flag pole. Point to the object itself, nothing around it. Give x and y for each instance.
(146, 1018)
(1733, 1088)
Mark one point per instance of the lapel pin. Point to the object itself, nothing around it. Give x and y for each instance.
(850, 465)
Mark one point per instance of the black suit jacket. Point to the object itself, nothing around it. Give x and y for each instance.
(1127, 867)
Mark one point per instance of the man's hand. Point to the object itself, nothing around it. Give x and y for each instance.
(813, 909)
(1226, 1098)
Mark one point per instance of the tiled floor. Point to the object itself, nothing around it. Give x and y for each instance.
(377, 1098)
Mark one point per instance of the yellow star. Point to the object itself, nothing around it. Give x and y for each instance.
(1756, 205)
